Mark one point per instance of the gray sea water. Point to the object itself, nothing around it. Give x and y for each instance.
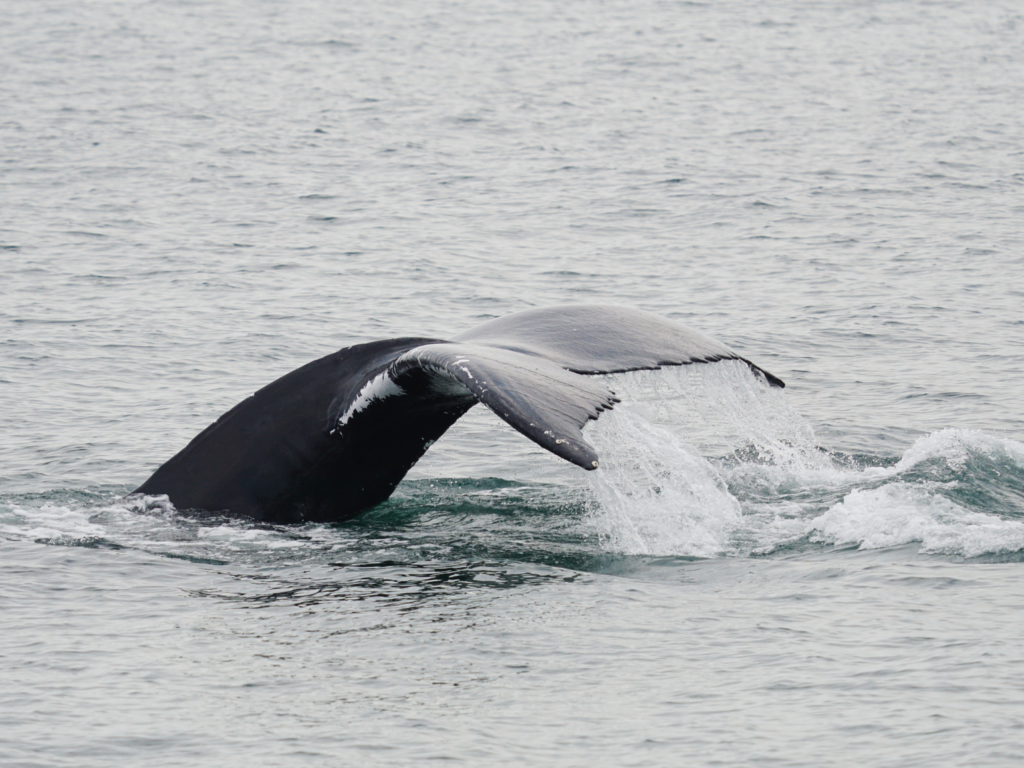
(197, 197)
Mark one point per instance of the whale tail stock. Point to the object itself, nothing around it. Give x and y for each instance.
(337, 435)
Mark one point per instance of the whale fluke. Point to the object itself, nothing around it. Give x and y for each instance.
(336, 436)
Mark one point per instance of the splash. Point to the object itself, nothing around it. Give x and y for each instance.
(710, 462)
(662, 490)
(655, 495)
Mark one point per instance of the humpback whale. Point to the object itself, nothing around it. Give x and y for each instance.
(336, 436)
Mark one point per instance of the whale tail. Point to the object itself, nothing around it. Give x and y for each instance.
(336, 436)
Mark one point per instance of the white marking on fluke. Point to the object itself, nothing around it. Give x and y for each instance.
(377, 388)
(461, 363)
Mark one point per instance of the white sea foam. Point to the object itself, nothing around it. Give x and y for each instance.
(49, 522)
(766, 484)
(902, 513)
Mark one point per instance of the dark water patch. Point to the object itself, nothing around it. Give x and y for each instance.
(335, 43)
(563, 273)
(798, 547)
(86, 542)
(52, 321)
(402, 585)
(997, 558)
(198, 559)
(486, 519)
(991, 486)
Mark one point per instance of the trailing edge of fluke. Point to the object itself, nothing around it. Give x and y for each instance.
(337, 435)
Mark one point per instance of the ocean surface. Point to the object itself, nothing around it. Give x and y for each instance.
(198, 197)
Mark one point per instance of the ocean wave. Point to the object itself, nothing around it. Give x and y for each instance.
(904, 513)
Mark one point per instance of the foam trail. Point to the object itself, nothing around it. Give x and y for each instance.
(52, 523)
(149, 524)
